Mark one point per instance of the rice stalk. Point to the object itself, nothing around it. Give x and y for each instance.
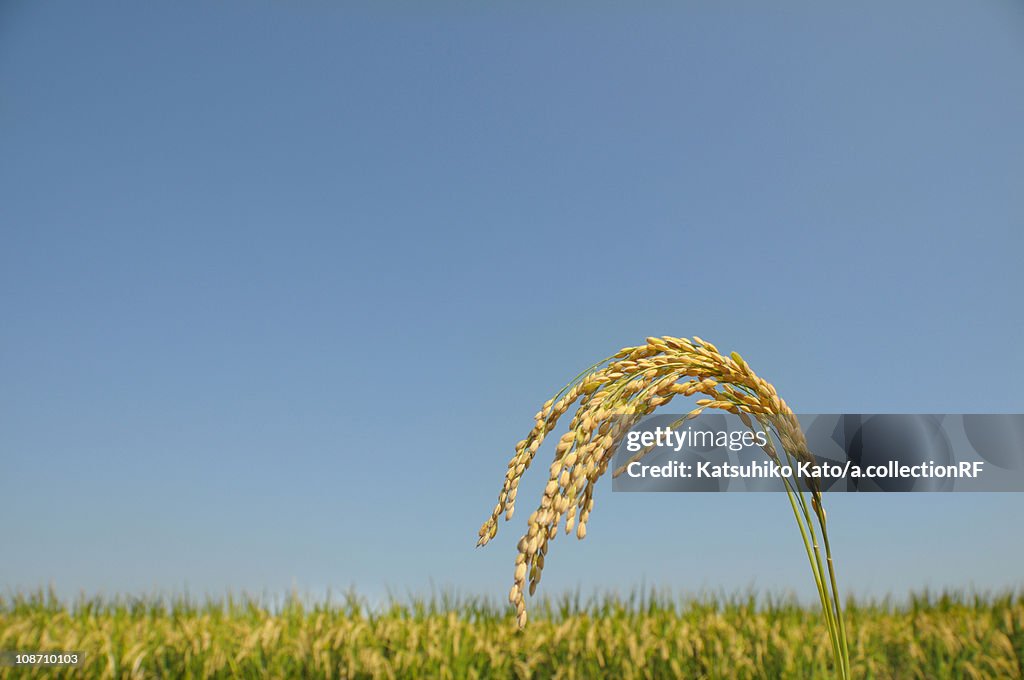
(612, 396)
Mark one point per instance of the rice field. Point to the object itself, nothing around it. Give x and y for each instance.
(951, 635)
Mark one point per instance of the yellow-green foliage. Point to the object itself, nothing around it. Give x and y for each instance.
(952, 636)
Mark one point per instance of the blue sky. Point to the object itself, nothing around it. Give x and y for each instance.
(281, 284)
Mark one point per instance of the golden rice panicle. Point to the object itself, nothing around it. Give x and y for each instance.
(613, 395)
(544, 422)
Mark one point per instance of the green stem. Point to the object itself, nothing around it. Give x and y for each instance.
(818, 575)
(830, 602)
(835, 592)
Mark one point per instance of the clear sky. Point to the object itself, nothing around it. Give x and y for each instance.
(282, 283)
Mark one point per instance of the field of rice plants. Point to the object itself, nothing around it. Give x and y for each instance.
(950, 635)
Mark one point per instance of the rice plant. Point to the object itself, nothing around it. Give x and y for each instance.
(613, 395)
(637, 635)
